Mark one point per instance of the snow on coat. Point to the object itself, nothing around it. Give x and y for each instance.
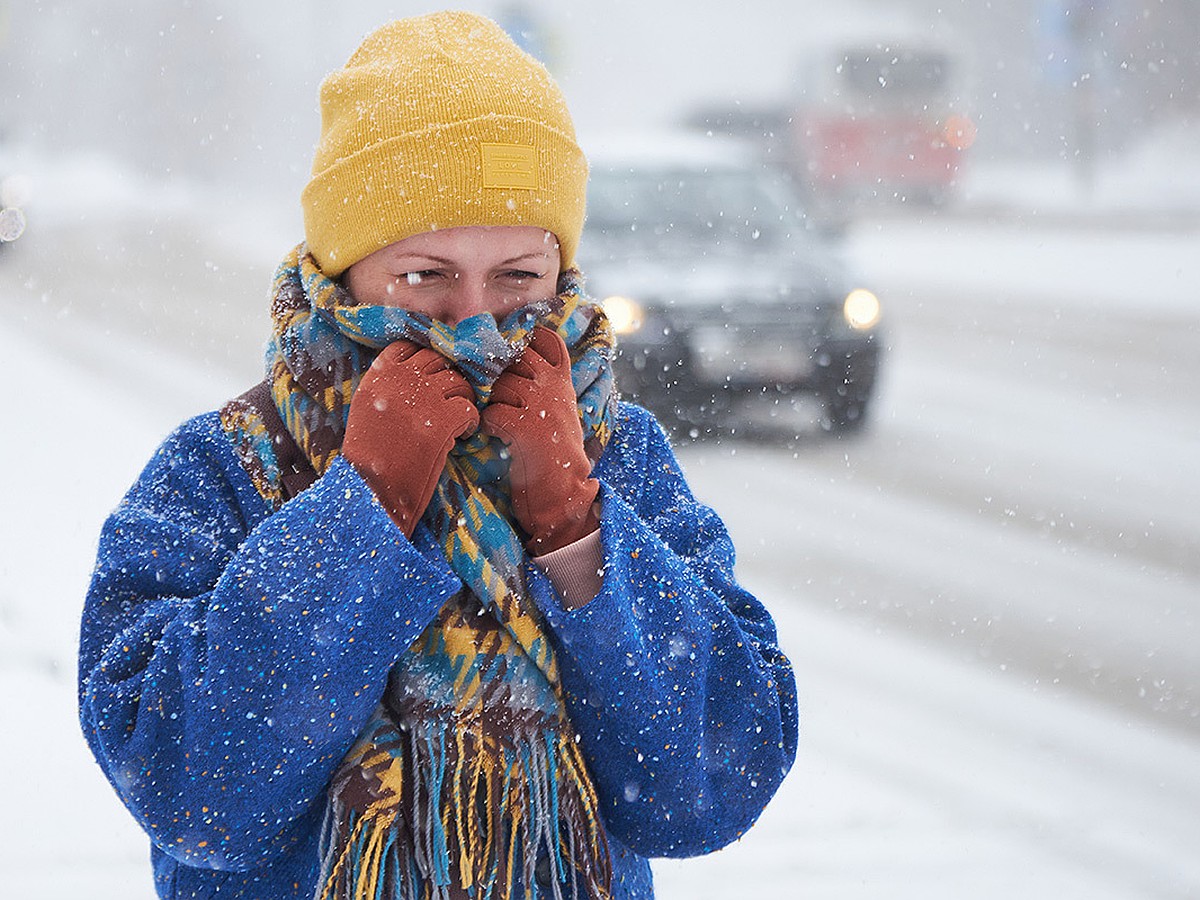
(229, 657)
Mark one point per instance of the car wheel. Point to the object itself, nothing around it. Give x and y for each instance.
(844, 414)
(684, 414)
(686, 419)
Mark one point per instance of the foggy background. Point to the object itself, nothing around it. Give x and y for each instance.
(992, 596)
(226, 92)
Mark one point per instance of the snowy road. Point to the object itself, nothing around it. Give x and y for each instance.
(1030, 492)
(991, 599)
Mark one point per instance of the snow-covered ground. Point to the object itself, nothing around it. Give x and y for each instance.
(991, 599)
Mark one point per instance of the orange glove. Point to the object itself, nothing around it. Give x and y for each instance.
(533, 410)
(405, 415)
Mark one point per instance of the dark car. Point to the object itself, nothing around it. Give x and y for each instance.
(722, 296)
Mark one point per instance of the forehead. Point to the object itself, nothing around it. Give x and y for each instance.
(478, 241)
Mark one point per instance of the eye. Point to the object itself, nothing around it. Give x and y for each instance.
(523, 275)
(415, 278)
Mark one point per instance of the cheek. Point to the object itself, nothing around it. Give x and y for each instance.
(380, 290)
(393, 293)
(358, 284)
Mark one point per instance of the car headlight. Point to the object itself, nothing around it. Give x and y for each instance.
(626, 315)
(861, 310)
(12, 223)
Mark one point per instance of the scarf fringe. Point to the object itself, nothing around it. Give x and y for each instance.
(453, 815)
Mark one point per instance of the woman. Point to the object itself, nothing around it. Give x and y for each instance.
(429, 613)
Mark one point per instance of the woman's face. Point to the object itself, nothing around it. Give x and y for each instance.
(456, 273)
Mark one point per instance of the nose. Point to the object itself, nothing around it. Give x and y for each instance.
(467, 297)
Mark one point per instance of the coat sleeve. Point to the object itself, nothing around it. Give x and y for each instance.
(228, 658)
(684, 703)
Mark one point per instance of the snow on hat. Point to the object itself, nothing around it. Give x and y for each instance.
(435, 122)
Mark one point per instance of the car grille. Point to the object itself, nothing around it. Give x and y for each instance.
(756, 345)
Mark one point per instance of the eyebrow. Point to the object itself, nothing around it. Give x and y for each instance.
(424, 257)
(524, 256)
(442, 261)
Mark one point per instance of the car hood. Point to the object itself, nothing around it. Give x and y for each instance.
(711, 279)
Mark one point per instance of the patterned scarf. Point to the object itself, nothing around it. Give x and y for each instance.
(468, 770)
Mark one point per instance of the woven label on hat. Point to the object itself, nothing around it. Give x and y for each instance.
(509, 166)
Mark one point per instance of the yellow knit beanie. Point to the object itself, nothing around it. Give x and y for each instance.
(435, 122)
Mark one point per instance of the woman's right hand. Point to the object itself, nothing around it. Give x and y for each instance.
(405, 415)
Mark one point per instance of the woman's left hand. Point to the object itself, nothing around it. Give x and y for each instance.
(533, 410)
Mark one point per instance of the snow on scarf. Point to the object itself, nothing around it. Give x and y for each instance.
(468, 770)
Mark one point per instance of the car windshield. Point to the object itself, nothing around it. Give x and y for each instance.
(884, 75)
(731, 209)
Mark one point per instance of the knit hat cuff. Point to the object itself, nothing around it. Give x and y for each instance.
(492, 170)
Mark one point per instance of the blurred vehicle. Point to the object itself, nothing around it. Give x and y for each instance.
(722, 296)
(878, 114)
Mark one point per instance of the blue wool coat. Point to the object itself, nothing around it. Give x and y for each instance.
(230, 655)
